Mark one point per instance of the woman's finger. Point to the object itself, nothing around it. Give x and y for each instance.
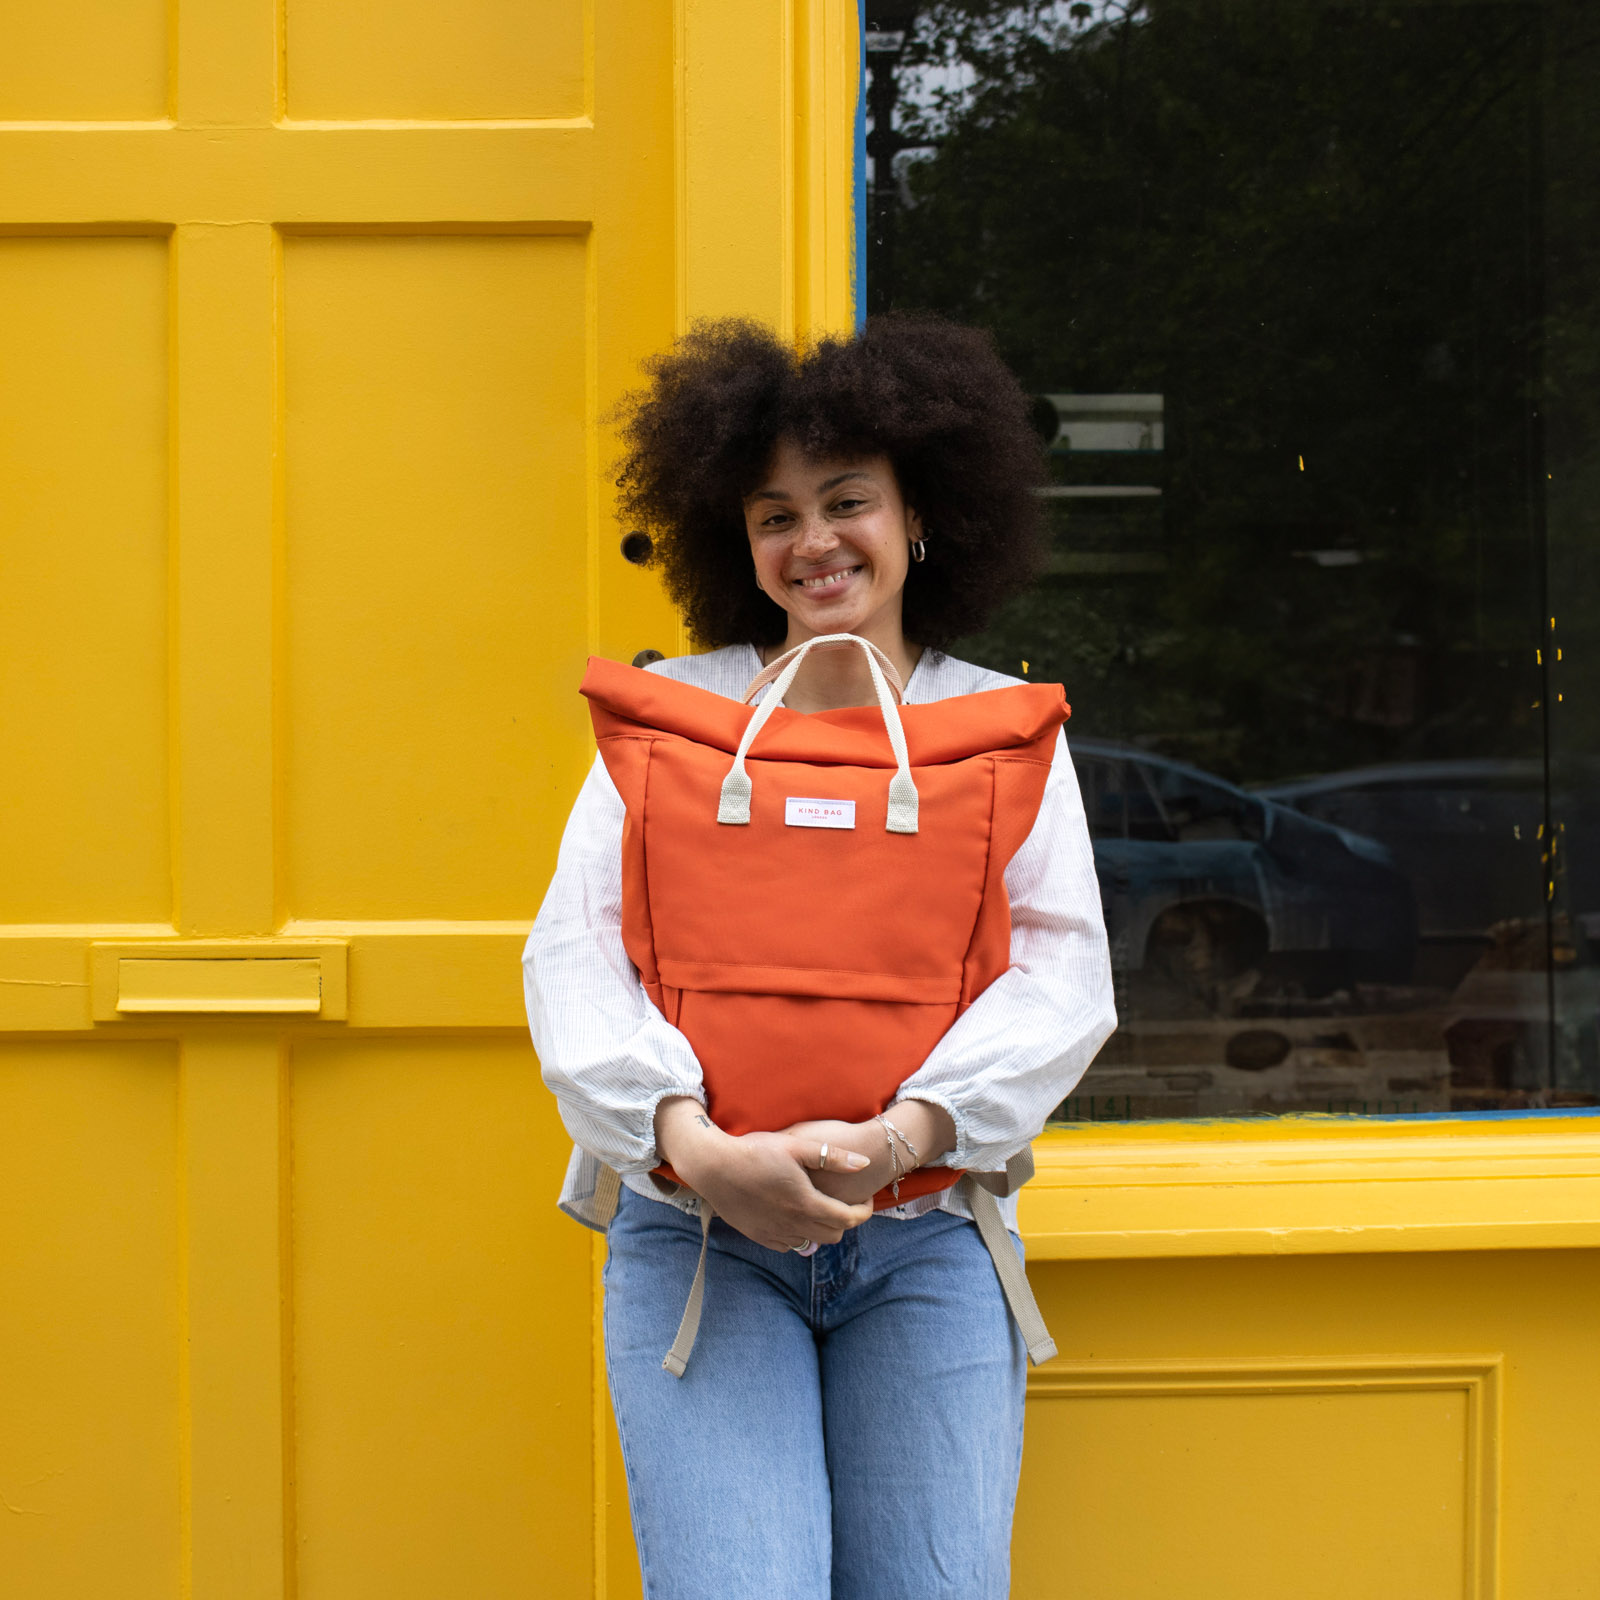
(816, 1155)
(835, 1216)
(830, 1157)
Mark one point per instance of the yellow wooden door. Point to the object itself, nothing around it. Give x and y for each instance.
(310, 315)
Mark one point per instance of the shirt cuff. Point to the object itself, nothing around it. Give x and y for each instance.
(956, 1157)
(647, 1133)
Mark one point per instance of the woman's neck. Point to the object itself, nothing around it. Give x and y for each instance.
(830, 680)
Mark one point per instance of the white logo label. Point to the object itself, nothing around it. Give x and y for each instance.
(798, 813)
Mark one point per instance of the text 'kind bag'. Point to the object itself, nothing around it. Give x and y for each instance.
(813, 899)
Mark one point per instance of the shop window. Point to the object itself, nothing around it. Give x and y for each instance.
(1307, 293)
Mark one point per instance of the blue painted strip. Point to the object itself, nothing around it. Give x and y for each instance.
(858, 263)
(1480, 1116)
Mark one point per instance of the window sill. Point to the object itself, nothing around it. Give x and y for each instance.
(1313, 1186)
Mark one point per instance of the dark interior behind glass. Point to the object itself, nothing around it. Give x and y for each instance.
(1306, 292)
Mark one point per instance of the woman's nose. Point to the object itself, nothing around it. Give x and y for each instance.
(814, 537)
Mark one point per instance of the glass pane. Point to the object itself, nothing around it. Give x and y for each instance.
(1305, 291)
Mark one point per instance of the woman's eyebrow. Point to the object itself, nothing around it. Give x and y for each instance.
(822, 488)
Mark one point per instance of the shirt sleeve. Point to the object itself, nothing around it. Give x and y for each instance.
(605, 1051)
(1021, 1046)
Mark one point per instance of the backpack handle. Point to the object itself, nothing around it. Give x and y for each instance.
(767, 674)
(733, 805)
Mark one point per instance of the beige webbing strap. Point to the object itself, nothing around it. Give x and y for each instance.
(1019, 1170)
(772, 673)
(733, 800)
(677, 1358)
(607, 1191)
(1013, 1280)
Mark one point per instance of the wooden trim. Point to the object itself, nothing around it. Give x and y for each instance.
(827, 67)
(765, 203)
(1314, 1185)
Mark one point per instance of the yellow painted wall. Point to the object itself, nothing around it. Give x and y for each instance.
(310, 316)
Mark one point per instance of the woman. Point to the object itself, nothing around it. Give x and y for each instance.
(851, 1424)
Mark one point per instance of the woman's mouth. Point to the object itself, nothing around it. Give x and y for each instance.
(822, 584)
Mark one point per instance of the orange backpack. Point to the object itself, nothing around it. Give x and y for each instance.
(813, 899)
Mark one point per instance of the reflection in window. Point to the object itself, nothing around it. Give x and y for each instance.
(1306, 292)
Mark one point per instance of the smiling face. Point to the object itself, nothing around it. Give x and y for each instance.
(831, 541)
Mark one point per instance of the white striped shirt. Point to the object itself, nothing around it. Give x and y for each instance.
(610, 1057)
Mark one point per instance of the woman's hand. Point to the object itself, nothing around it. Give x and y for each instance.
(759, 1183)
(927, 1126)
(848, 1143)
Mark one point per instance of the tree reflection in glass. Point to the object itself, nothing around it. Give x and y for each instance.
(1307, 291)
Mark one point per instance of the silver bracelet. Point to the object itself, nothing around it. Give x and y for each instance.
(896, 1167)
(911, 1149)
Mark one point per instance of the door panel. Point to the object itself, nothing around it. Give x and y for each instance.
(435, 574)
(1254, 1479)
(83, 60)
(435, 60)
(91, 1410)
(441, 1403)
(83, 582)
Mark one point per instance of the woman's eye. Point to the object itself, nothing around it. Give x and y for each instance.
(848, 505)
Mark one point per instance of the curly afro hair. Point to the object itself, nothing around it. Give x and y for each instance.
(933, 397)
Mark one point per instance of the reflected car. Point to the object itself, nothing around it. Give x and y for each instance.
(1468, 834)
(1220, 891)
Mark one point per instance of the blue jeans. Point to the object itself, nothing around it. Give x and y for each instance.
(850, 1426)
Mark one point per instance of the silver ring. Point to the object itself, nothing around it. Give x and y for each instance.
(822, 1160)
(804, 1247)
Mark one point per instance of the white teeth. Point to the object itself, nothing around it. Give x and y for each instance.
(832, 577)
